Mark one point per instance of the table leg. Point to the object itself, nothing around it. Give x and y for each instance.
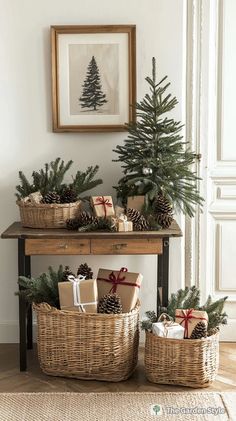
(163, 275)
(24, 312)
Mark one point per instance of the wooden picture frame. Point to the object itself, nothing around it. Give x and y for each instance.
(93, 77)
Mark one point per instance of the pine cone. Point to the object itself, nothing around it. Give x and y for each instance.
(51, 197)
(139, 221)
(110, 304)
(68, 195)
(200, 331)
(72, 224)
(85, 270)
(67, 272)
(86, 218)
(162, 205)
(133, 215)
(164, 220)
(213, 331)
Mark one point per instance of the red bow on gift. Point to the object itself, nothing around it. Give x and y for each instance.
(187, 316)
(104, 202)
(117, 280)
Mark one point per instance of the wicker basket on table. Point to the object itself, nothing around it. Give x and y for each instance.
(185, 362)
(47, 215)
(87, 345)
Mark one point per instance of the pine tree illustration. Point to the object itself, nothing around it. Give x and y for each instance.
(92, 96)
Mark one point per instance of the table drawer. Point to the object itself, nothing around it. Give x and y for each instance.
(134, 246)
(57, 246)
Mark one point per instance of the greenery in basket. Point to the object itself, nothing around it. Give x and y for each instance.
(190, 298)
(44, 288)
(156, 161)
(49, 181)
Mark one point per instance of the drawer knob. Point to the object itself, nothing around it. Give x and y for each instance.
(119, 246)
(63, 246)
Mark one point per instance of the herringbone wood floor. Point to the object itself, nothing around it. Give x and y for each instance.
(11, 380)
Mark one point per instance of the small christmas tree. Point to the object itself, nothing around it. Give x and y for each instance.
(155, 159)
(92, 96)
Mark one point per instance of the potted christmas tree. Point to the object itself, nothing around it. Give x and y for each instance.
(156, 160)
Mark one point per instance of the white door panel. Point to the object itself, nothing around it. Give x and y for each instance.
(213, 234)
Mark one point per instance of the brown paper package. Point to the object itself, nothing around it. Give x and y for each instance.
(136, 202)
(88, 293)
(99, 209)
(199, 316)
(128, 294)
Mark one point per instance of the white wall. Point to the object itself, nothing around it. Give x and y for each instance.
(27, 140)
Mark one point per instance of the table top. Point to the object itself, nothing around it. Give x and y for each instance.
(17, 231)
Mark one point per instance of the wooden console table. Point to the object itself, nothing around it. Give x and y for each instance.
(33, 242)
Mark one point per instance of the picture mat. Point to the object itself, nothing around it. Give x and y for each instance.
(64, 41)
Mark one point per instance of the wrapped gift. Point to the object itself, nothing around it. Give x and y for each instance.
(122, 282)
(136, 202)
(78, 294)
(35, 197)
(123, 224)
(168, 329)
(189, 318)
(103, 206)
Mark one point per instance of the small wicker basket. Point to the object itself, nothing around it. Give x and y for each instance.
(88, 346)
(47, 215)
(185, 362)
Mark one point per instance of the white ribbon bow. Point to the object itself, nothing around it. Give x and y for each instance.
(123, 218)
(76, 292)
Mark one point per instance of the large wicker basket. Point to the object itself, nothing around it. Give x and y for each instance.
(185, 362)
(87, 346)
(47, 215)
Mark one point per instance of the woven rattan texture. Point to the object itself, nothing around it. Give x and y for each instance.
(47, 215)
(186, 362)
(87, 346)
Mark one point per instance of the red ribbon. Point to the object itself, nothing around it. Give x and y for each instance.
(187, 316)
(117, 280)
(104, 202)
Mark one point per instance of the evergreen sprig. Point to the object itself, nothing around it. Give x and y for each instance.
(100, 224)
(84, 181)
(155, 142)
(44, 288)
(50, 178)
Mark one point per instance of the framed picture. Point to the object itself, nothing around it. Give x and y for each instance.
(93, 77)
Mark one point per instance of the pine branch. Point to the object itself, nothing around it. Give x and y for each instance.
(42, 289)
(83, 181)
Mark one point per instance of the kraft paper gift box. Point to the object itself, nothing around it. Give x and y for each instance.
(103, 206)
(189, 318)
(136, 202)
(79, 295)
(123, 225)
(168, 330)
(125, 284)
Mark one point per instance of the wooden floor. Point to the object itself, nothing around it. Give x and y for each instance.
(11, 380)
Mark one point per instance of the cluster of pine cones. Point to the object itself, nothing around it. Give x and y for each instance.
(162, 213)
(83, 270)
(68, 195)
